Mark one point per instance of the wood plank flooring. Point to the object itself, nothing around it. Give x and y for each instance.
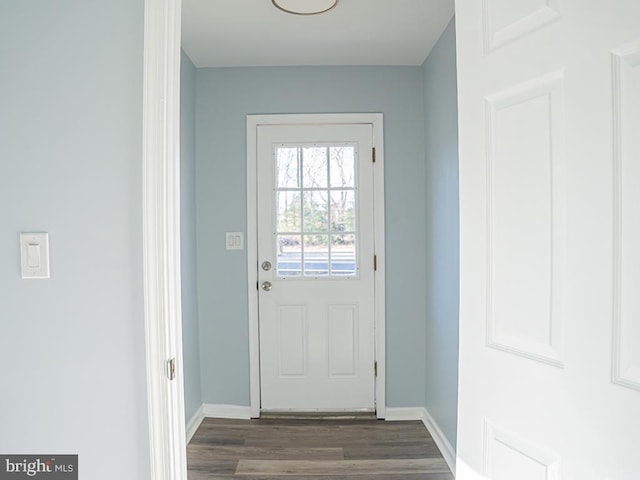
(286, 449)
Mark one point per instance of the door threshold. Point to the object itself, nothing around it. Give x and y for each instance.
(318, 415)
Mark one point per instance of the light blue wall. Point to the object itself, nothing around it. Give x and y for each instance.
(225, 97)
(190, 331)
(442, 217)
(73, 355)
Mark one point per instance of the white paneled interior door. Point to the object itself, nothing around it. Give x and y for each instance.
(549, 109)
(315, 267)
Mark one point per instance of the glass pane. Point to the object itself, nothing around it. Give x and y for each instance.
(316, 255)
(315, 199)
(342, 166)
(289, 256)
(289, 211)
(343, 211)
(343, 255)
(287, 169)
(314, 167)
(315, 211)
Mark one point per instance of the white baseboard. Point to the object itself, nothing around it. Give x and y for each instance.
(443, 444)
(395, 414)
(212, 410)
(194, 422)
(420, 413)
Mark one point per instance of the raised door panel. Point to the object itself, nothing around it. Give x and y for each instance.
(525, 219)
(507, 20)
(626, 89)
(292, 341)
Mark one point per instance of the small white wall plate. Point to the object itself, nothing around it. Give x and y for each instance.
(34, 253)
(234, 240)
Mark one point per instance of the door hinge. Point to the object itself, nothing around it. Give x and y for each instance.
(373, 154)
(375, 263)
(171, 368)
(375, 369)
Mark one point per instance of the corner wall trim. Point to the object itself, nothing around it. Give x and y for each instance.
(238, 412)
(194, 422)
(421, 413)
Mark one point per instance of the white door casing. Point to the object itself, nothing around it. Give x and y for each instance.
(307, 320)
(161, 237)
(549, 126)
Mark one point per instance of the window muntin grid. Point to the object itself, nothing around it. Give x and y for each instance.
(316, 210)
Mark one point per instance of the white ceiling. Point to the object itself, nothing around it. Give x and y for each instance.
(234, 33)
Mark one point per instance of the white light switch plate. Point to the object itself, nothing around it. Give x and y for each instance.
(34, 253)
(234, 240)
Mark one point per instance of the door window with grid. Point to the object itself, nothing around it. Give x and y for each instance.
(316, 210)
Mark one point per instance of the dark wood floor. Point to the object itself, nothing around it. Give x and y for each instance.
(284, 449)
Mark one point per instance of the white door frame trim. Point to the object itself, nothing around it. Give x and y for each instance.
(161, 238)
(253, 122)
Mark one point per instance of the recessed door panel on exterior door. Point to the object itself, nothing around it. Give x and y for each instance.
(549, 99)
(315, 267)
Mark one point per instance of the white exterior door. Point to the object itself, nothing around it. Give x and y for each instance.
(549, 108)
(315, 267)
